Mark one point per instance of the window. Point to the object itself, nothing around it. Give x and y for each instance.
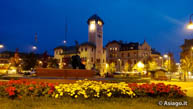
(135, 61)
(123, 63)
(100, 23)
(92, 22)
(85, 49)
(92, 49)
(92, 59)
(115, 49)
(81, 49)
(122, 55)
(128, 54)
(99, 35)
(98, 60)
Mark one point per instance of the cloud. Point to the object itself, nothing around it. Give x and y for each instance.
(173, 20)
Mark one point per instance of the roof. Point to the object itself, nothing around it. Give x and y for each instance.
(153, 51)
(129, 46)
(114, 41)
(126, 46)
(21, 54)
(96, 18)
(67, 49)
(89, 44)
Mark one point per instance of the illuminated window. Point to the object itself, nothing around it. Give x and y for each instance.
(92, 27)
(100, 23)
(92, 22)
(115, 49)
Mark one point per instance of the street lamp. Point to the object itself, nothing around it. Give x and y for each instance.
(169, 63)
(119, 60)
(190, 25)
(165, 56)
(140, 65)
(1, 46)
(34, 47)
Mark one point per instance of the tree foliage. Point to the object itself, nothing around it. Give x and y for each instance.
(186, 66)
(29, 61)
(52, 63)
(76, 62)
(112, 67)
(152, 65)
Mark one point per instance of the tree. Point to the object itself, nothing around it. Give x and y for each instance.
(186, 66)
(152, 65)
(139, 66)
(126, 67)
(29, 61)
(76, 62)
(112, 67)
(45, 59)
(52, 63)
(170, 63)
(16, 61)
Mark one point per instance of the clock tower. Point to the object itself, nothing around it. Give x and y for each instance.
(95, 36)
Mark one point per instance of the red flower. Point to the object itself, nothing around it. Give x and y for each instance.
(31, 88)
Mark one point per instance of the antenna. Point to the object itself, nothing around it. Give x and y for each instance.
(36, 37)
(66, 30)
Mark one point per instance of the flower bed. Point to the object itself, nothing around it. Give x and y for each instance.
(86, 89)
(160, 89)
(90, 89)
(20, 88)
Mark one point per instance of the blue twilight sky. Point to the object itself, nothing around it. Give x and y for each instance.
(160, 22)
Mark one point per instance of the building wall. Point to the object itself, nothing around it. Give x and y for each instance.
(120, 57)
(87, 55)
(59, 57)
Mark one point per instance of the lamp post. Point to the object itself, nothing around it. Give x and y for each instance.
(169, 64)
(119, 60)
(161, 58)
(190, 25)
(191, 50)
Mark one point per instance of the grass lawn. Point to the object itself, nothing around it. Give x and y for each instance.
(69, 103)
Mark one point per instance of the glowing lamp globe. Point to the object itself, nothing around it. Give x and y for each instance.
(190, 26)
(140, 65)
(34, 47)
(1, 45)
(165, 56)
